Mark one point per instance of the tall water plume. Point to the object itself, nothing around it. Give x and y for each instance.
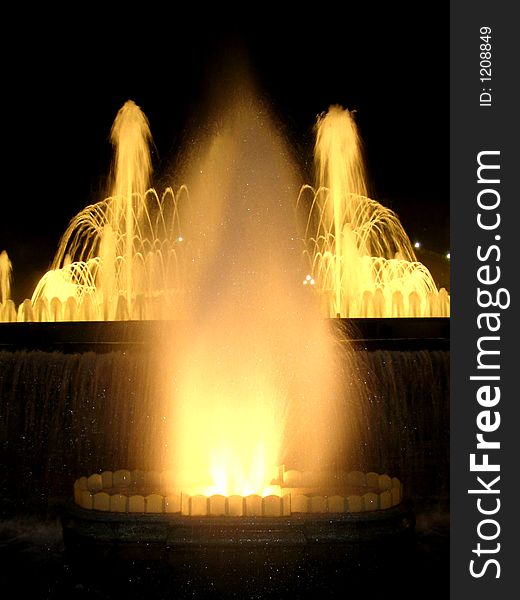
(131, 172)
(259, 381)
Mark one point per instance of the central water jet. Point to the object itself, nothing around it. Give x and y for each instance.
(259, 381)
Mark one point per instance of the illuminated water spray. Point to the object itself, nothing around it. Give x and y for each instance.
(120, 258)
(255, 378)
(258, 381)
(125, 257)
(361, 258)
(5, 277)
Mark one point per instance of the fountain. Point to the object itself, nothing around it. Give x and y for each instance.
(273, 385)
(239, 415)
(120, 258)
(363, 261)
(125, 258)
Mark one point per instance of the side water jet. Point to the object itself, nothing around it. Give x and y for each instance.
(120, 258)
(6, 269)
(360, 256)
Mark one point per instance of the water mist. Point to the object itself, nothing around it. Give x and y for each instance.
(259, 381)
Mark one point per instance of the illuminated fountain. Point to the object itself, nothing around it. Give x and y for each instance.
(240, 414)
(259, 379)
(125, 258)
(120, 258)
(362, 261)
(274, 379)
(262, 442)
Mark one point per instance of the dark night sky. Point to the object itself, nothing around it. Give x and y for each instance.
(387, 61)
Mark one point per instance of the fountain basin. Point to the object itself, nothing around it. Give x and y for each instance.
(118, 517)
(255, 557)
(294, 492)
(170, 531)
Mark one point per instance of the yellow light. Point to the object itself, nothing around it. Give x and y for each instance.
(362, 259)
(59, 285)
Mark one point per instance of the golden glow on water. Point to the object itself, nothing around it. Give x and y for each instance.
(360, 255)
(228, 421)
(256, 380)
(234, 462)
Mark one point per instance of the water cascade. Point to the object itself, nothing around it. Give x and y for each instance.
(68, 414)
